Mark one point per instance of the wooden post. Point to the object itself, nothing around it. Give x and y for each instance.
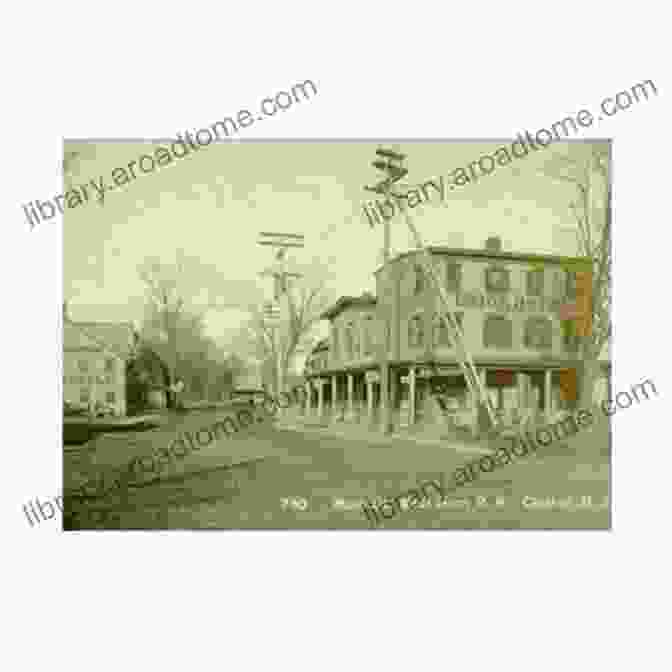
(320, 397)
(548, 399)
(334, 397)
(411, 395)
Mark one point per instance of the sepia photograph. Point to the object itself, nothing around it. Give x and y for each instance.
(311, 318)
(329, 335)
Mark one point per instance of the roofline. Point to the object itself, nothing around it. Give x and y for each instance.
(102, 346)
(346, 301)
(486, 254)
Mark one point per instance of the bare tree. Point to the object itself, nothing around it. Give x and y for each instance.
(302, 305)
(165, 306)
(588, 170)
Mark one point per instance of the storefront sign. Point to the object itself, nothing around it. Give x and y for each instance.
(507, 302)
(500, 377)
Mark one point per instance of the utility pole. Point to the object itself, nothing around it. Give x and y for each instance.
(280, 275)
(390, 164)
(271, 315)
(395, 172)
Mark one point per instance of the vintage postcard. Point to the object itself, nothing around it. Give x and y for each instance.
(313, 334)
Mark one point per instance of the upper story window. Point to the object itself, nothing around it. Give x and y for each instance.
(538, 333)
(335, 341)
(453, 276)
(416, 332)
(355, 339)
(535, 282)
(497, 332)
(571, 286)
(109, 365)
(570, 339)
(83, 365)
(559, 285)
(367, 336)
(418, 279)
(351, 341)
(497, 279)
(441, 335)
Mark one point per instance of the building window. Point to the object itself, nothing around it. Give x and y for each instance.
(559, 288)
(571, 287)
(497, 279)
(538, 333)
(85, 395)
(497, 332)
(453, 277)
(441, 335)
(416, 335)
(535, 282)
(109, 365)
(110, 397)
(570, 338)
(83, 365)
(367, 336)
(419, 279)
(349, 341)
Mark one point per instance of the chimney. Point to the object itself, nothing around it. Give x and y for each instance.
(493, 244)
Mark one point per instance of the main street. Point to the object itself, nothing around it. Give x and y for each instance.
(298, 479)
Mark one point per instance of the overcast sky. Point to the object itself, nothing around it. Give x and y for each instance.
(212, 205)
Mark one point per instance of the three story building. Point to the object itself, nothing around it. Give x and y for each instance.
(508, 306)
(94, 363)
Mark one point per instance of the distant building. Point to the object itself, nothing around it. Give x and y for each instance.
(508, 306)
(94, 362)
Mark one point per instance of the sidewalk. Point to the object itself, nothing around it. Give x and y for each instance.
(356, 431)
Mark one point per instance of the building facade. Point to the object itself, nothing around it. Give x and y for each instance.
(94, 363)
(508, 306)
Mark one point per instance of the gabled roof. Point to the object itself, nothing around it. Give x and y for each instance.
(116, 338)
(365, 300)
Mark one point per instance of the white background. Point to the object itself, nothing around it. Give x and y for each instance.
(341, 601)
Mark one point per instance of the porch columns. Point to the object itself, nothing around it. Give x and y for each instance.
(369, 400)
(351, 381)
(309, 394)
(522, 402)
(320, 396)
(411, 395)
(334, 397)
(548, 399)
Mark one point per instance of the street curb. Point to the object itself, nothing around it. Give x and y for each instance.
(385, 440)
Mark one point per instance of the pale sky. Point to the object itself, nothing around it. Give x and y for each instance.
(212, 204)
